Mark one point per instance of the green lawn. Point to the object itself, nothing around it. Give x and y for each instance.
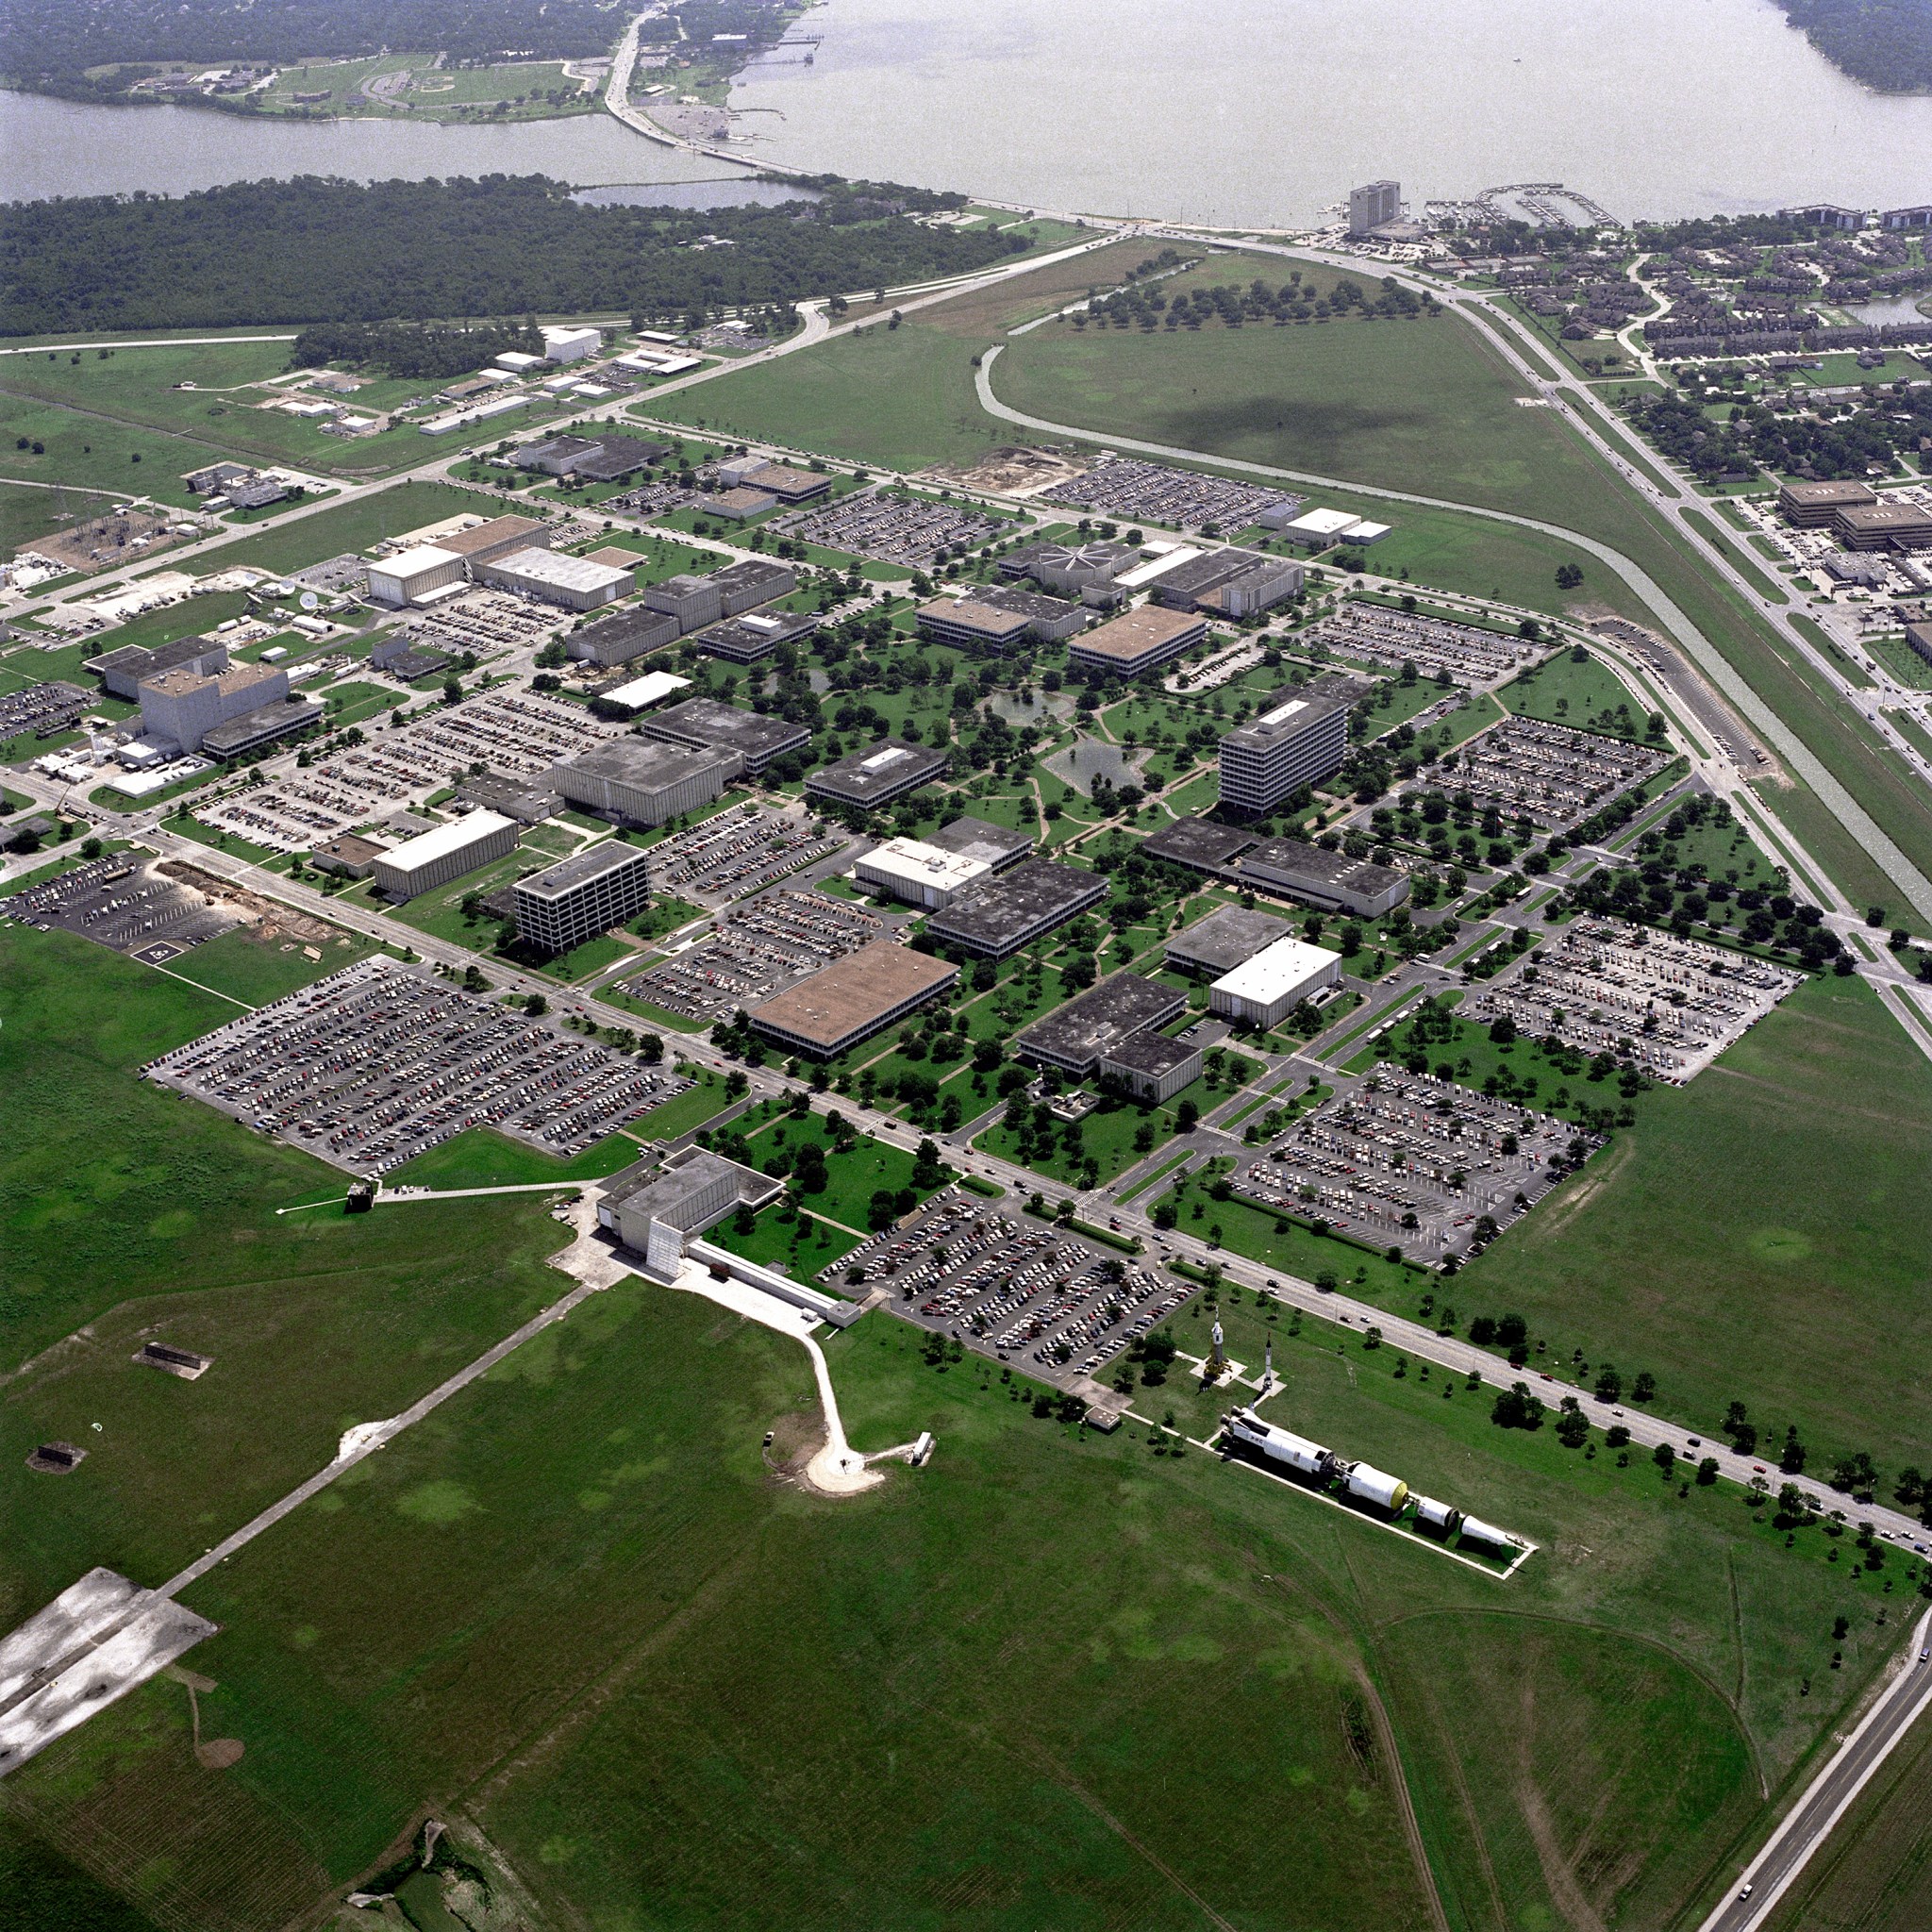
(1589, 695)
(256, 969)
(351, 527)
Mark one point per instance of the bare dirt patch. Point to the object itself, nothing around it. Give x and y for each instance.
(100, 542)
(1012, 471)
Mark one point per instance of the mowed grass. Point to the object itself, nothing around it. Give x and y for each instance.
(1759, 1236)
(257, 969)
(351, 527)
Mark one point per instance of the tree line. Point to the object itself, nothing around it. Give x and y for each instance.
(314, 250)
(411, 350)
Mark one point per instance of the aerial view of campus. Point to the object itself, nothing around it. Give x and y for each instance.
(965, 966)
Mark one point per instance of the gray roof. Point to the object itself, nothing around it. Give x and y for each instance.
(1294, 859)
(650, 763)
(662, 1189)
(1228, 936)
(1199, 843)
(1102, 1018)
(1152, 1054)
(1312, 703)
(994, 912)
(580, 868)
(971, 837)
(706, 722)
(881, 770)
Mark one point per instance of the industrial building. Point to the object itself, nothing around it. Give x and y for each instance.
(1228, 583)
(566, 344)
(756, 634)
(650, 689)
(121, 671)
(1069, 570)
(1331, 880)
(878, 774)
(250, 730)
(1810, 505)
(740, 505)
(708, 725)
(643, 781)
(1074, 1038)
(998, 916)
(1137, 641)
(690, 1190)
(575, 582)
(852, 998)
(1892, 524)
(1321, 527)
(624, 635)
(1266, 989)
(496, 537)
(583, 896)
(1299, 737)
(182, 705)
(1230, 936)
(998, 846)
(405, 657)
(347, 854)
(588, 458)
(920, 874)
(1373, 207)
(415, 576)
(443, 853)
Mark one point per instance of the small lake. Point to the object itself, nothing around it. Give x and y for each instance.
(1090, 758)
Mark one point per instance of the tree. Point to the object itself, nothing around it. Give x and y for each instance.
(1517, 1409)
(1664, 1456)
(1644, 1387)
(535, 1006)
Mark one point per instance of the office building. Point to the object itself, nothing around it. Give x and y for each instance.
(1892, 524)
(756, 634)
(1300, 738)
(1919, 639)
(999, 617)
(575, 582)
(643, 781)
(852, 998)
(996, 917)
(1073, 1037)
(443, 853)
(1332, 881)
(693, 601)
(920, 874)
(641, 692)
(1069, 570)
(1137, 641)
(415, 576)
(1370, 207)
(752, 581)
(1228, 583)
(878, 774)
(1265, 990)
(995, 846)
(739, 505)
(1200, 844)
(182, 705)
(622, 636)
(250, 730)
(583, 896)
(687, 1191)
(1810, 505)
(1897, 220)
(121, 671)
(708, 725)
(778, 480)
(347, 854)
(1151, 1066)
(1230, 936)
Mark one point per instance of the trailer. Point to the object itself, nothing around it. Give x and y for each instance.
(1306, 1459)
(1487, 1535)
(1438, 1519)
(1370, 1485)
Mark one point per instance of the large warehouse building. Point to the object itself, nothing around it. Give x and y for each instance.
(583, 896)
(182, 705)
(622, 636)
(443, 853)
(1270, 985)
(643, 781)
(415, 576)
(1300, 738)
(852, 998)
(575, 582)
(919, 873)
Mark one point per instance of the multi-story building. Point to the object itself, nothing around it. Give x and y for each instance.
(583, 896)
(575, 582)
(1137, 641)
(413, 577)
(1300, 738)
(706, 724)
(443, 853)
(643, 781)
(182, 705)
(1371, 207)
(878, 774)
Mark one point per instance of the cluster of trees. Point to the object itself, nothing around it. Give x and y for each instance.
(1144, 305)
(412, 350)
(49, 46)
(313, 250)
(1794, 440)
(1885, 43)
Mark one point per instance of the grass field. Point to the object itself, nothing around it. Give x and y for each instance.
(351, 527)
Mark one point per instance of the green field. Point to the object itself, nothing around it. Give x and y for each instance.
(351, 527)
(256, 968)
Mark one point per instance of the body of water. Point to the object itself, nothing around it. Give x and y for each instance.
(736, 192)
(1265, 111)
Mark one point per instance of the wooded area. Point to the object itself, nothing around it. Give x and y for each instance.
(1886, 44)
(312, 250)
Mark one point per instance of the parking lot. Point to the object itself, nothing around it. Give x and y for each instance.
(486, 622)
(1407, 1160)
(1603, 986)
(379, 1062)
(1547, 774)
(649, 500)
(513, 733)
(915, 530)
(1137, 492)
(1473, 657)
(124, 902)
(740, 850)
(755, 950)
(1012, 1287)
(41, 709)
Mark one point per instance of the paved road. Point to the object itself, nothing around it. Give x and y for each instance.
(1809, 1821)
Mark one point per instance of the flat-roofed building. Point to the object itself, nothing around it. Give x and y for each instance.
(1151, 1066)
(347, 854)
(1266, 989)
(971, 624)
(412, 576)
(182, 705)
(496, 537)
(741, 504)
(1230, 583)
(443, 853)
(1200, 844)
(756, 634)
(1299, 737)
(995, 846)
(652, 688)
(1049, 620)
(1897, 219)
(687, 1191)
(529, 801)
(1067, 569)
(788, 485)
(1894, 525)
(708, 725)
(1230, 936)
(1373, 207)
(852, 998)
(575, 582)
(878, 774)
(998, 916)
(1330, 880)
(1919, 639)
(1320, 528)
(250, 730)
(622, 636)
(643, 781)
(1073, 1037)
(1137, 641)
(122, 669)
(583, 896)
(749, 582)
(564, 344)
(690, 600)
(1812, 505)
(919, 873)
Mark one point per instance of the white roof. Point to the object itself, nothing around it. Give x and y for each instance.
(648, 689)
(519, 358)
(1158, 566)
(921, 864)
(1281, 713)
(1324, 523)
(1276, 970)
(1366, 532)
(415, 563)
(565, 572)
(558, 332)
(439, 842)
(880, 759)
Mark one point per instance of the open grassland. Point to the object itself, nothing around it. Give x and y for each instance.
(96, 452)
(351, 527)
(256, 968)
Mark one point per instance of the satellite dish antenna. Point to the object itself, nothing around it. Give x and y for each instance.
(309, 600)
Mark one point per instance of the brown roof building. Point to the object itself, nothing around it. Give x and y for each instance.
(496, 538)
(1888, 525)
(1137, 641)
(852, 998)
(1811, 504)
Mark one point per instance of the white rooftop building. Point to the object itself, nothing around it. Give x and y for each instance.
(444, 853)
(570, 344)
(920, 874)
(1269, 987)
(1326, 525)
(410, 576)
(646, 689)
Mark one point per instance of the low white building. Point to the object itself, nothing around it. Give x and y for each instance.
(570, 344)
(1269, 987)
(1321, 526)
(919, 873)
(557, 577)
(412, 575)
(443, 853)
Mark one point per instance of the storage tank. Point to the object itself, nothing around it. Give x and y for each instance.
(1487, 1535)
(1370, 1485)
(1305, 1458)
(1438, 1519)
